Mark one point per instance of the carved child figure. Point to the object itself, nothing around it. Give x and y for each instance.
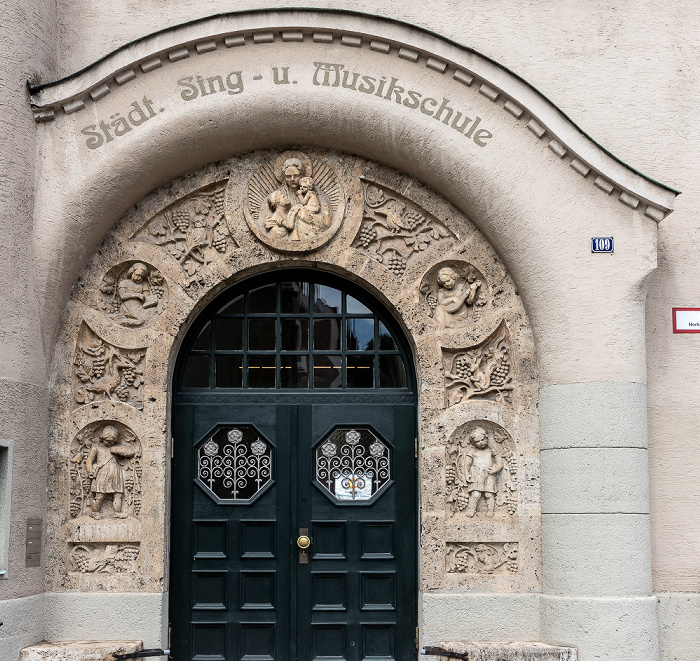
(454, 295)
(306, 215)
(106, 472)
(135, 295)
(478, 467)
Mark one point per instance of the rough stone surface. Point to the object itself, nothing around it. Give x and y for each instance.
(394, 235)
(596, 554)
(611, 629)
(679, 634)
(450, 615)
(107, 616)
(592, 415)
(79, 650)
(511, 651)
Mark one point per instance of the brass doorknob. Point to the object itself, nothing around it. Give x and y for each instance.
(303, 542)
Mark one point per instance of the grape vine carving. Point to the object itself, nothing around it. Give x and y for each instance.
(394, 229)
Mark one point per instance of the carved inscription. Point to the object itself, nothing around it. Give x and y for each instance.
(334, 74)
(483, 371)
(105, 472)
(481, 470)
(482, 558)
(97, 558)
(295, 204)
(103, 372)
(394, 229)
(193, 230)
(133, 294)
(454, 292)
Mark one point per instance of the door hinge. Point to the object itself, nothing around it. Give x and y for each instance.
(170, 630)
(415, 447)
(172, 447)
(417, 639)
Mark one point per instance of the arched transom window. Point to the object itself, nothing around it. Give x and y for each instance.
(297, 332)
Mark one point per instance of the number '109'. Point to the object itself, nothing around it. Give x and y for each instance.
(602, 244)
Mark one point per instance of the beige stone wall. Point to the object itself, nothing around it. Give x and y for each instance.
(632, 95)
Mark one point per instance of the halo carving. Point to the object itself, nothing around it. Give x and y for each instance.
(295, 203)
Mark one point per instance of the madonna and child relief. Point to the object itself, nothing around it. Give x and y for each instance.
(294, 204)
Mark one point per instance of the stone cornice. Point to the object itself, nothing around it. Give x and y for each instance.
(387, 37)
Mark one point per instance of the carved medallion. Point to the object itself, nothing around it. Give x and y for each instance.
(454, 293)
(105, 472)
(193, 230)
(296, 203)
(103, 372)
(483, 371)
(394, 229)
(133, 294)
(481, 470)
(100, 558)
(482, 557)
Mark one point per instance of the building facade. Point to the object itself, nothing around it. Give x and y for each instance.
(332, 332)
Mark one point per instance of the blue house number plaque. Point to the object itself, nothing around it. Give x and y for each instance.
(602, 244)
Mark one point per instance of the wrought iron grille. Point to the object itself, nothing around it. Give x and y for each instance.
(234, 465)
(353, 465)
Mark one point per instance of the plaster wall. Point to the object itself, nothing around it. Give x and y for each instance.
(29, 36)
(632, 95)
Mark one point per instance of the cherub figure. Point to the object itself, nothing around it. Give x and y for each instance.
(478, 467)
(454, 295)
(106, 472)
(135, 295)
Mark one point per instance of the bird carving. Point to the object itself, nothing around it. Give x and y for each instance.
(392, 212)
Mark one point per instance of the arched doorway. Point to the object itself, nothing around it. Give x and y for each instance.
(294, 476)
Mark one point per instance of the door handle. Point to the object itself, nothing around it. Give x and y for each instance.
(303, 542)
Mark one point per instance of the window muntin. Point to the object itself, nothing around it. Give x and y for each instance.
(294, 334)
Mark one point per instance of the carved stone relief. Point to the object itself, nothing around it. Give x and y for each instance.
(396, 244)
(483, 371)
(103, 372)
(103, 558)
(193, 230)
(295, 204)
(481, 557)
(105, 472)
(481, 470)
(133, 294)
(454, 293)
(394, 229)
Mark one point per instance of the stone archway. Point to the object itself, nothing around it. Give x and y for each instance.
(528, 179)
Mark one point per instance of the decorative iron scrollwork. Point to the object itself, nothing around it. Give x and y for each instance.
(234, 465)
(353, 465)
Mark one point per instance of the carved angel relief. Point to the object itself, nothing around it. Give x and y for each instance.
(394, 229)
(133, 294)
(103, 372)
(482, 558)
(295, 204)
(454, 292)
(193, 230)
(97, 558)
(483, 371)
(481, 470)
(105, 472)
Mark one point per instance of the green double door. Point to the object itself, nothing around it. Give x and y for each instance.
(255, 480)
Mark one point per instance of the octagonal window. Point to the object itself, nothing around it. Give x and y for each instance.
(353, 465)
(234, 465)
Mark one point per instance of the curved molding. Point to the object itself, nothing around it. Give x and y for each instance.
(354, 30)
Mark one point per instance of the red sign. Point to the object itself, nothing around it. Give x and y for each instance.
(686, 320)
